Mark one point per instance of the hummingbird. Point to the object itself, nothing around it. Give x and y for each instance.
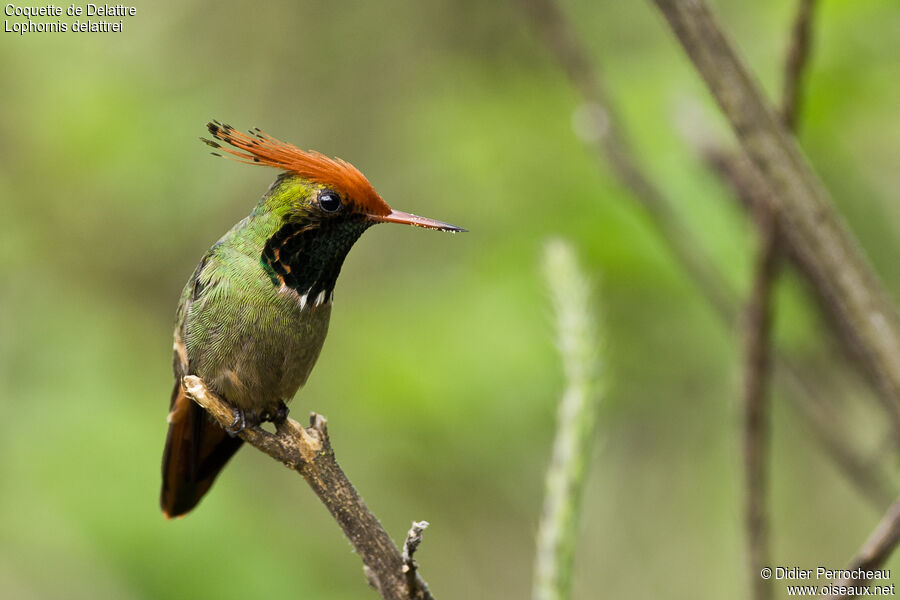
(254, 315)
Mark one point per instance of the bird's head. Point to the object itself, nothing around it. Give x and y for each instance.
(315, 188)
(321, 206)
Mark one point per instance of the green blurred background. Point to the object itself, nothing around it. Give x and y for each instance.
(439, 377)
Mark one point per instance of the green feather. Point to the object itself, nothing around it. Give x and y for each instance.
(251, 338)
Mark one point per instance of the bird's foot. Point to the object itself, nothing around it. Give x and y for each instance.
(241, 422)
(244, 419)
(280, 414)
(276, 416)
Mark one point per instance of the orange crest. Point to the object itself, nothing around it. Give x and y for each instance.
(262, 149)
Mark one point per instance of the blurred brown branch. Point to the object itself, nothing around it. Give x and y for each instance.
(757, 369)
(307, 450)
(810, 224)
(795, 65)
(876, 549)
(607, 140)
(758, 332)
(751, 188)
(826, 427)
(838, 266)
(609, 143)
(754, 192)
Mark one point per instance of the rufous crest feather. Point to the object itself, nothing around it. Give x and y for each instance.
(259, 148)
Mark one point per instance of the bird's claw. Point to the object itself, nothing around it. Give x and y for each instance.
(281, 413)
(242, 420)
(239, 424)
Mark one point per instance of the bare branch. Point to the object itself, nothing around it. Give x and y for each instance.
(867, 475)
(308, 451)
(752, 188)
(796, 63)
(577, 340)
(826, 428)
(874, 552)
(413, 539)
(602, 133)
(810, 223)
(607, 140)
(757, 370)
(801, 202)
(758, 331)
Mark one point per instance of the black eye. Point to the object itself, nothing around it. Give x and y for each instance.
(329, 201)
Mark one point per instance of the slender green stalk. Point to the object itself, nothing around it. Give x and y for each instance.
(577, 337)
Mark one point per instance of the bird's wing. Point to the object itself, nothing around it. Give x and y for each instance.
(196, 447)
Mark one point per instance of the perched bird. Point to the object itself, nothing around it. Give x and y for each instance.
(253, 316)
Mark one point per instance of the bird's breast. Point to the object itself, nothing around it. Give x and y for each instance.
(266, 350)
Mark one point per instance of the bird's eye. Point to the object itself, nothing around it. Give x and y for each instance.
(329, 201)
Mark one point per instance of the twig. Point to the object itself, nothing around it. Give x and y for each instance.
(758, 331)
(607, 140)
(826, 429)
(576, 420)
(875, 551)
(753, 190)
(757, 369)
(802, 204)
(602, 132)
(413, 539)
(795, 65)
(810, 222)
(308, 451)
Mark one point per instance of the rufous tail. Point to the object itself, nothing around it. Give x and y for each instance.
(196, 450)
